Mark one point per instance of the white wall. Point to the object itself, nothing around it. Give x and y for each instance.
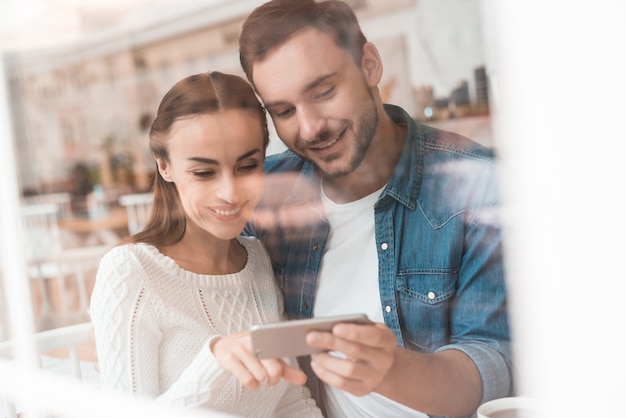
(444, 44)
(560, 71)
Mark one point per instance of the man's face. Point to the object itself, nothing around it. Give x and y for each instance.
(319, 100)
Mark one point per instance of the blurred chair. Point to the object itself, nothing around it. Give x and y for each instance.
(63, 284)
(62, 200)
(41, 229)
(61, 276)
(138, 207)
(67, 351)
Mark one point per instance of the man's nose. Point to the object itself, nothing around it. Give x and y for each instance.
(311, 123)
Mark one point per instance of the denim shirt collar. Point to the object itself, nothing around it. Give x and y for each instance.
(404, 185)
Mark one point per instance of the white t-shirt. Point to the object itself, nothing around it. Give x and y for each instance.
(349, 284)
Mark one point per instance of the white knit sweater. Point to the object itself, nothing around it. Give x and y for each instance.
(153, 321)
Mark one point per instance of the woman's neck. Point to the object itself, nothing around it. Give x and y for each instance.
(211, 257)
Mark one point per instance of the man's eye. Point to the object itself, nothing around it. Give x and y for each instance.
(326, 93)
(283, 113)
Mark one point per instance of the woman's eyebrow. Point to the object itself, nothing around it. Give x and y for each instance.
(212, 161)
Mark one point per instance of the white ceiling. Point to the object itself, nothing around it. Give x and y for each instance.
(36, 24)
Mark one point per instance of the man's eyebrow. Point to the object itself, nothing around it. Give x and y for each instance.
(212, 161)
(319, 80)
(312, 85)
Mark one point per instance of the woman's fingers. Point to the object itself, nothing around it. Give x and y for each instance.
(234, 354)
(293, 376)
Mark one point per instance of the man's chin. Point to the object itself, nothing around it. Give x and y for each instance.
(331, 167)
(332, 171)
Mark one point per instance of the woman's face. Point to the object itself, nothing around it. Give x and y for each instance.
(216, 162)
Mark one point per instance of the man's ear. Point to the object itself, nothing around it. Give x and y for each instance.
(371, 64)
(164, 169)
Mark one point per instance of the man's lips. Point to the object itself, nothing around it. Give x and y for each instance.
(329, 143)
(326, 144)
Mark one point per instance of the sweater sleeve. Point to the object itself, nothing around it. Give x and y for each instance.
(121, 316)
(201, 384)
(297, 401)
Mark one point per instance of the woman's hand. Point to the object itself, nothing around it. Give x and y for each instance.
(234, 353)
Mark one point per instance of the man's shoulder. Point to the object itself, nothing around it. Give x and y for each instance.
(285, 161)
(453, 143)
(429, 138)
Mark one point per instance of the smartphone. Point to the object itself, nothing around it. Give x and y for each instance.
(288, 338)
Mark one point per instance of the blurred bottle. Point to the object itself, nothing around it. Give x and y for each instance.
(96, 203)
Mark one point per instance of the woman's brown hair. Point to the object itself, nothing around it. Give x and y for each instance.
(198, 94)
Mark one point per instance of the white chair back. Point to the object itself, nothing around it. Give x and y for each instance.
(63, 200)
(41, 229)
(62, 284)
(59, 352)
(138, 207)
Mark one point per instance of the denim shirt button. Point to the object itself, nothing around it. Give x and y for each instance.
(384, 246)
(316, 247)
(431, 295)
(387, 308)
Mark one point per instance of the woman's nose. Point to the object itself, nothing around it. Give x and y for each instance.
(227, 190)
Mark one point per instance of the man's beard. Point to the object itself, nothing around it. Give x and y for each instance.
(363, 138)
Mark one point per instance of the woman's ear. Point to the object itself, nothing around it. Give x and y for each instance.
(164, 169)
(371, 64)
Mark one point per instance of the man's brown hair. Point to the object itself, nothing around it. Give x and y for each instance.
(273, 23)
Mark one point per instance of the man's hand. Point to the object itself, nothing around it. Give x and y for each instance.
(369, 354)
(234, 354)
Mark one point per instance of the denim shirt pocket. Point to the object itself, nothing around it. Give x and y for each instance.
(424, 297)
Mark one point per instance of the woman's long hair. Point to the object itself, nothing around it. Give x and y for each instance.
(198, 94)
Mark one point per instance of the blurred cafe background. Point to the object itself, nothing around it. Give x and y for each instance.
(83, 91)
(540, 82)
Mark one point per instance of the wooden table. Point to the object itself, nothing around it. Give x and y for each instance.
(108, 229)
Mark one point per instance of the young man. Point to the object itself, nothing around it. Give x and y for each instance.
(371, 212)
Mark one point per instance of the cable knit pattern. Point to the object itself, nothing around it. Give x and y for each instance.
(153, 321)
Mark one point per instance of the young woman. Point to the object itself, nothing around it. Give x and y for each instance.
(171, 307)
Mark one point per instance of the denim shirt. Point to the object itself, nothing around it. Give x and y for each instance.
(439, 244)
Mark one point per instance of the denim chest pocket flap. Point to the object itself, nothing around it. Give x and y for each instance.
(428, 286)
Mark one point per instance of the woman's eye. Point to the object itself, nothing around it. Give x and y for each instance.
(203, 174)
(249, 167)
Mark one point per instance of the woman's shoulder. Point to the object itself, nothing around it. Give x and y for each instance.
(249, 241)
(124, 252)
(253, 246)
(130, 257)
(259, 263)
